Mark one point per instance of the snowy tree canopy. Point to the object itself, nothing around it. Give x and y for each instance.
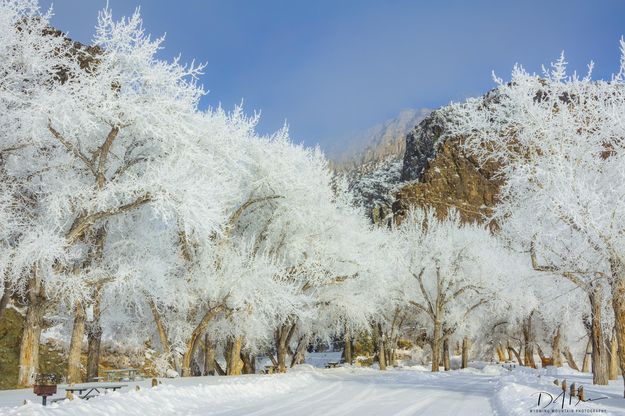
(130, 215)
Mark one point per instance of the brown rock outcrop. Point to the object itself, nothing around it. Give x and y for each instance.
(439, 173)
(451, 179)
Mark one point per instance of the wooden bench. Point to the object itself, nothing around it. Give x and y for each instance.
(332, 364)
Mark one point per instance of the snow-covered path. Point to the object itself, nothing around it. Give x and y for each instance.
(485, 390)
(305, 391)
(337, 392)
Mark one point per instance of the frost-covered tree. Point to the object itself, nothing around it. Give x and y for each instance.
(561, 252)
(304, 223)
(92, 135)
(559, 141)
(451, 270)
(33, 63)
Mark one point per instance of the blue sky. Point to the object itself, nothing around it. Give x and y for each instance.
(334, 67)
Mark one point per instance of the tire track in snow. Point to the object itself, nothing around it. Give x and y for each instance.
(349, 404)
(292, 400)
(441, 404)
(347, 394)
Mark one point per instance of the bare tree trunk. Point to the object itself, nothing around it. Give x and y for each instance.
(196, 369)
(541, 354)
(281, 353)
(387, 351)
(75, 347)
(516, 353)
(528, 342)
(249, 363)
(347, 350)
(614, 360)
(31, 332)
(209, 356)
(234, 364)
(300, 352)
(446, 358)
(436, 345)
(570, 359)
(174, 361)
(6, 296)
(195, 336)
(160, 327)
(94, 338)
(617, 283)
(283, 338)
(218, 368)
(465, 352)
(599, 366)
(398, 320)
(587, 354)
(33, 324)
(381, 349)
(555, 349)
(501, 353)
(528, 357)
(29, 347)
(94, 327)
(187, 359)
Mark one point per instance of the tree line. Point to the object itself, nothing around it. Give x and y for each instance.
(128, 213)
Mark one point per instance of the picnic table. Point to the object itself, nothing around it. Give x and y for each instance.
(129, 374)
(92, 389)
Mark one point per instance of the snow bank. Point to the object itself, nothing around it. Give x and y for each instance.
(171, 399)
(483, 389)
(489, 370)
(518, 389)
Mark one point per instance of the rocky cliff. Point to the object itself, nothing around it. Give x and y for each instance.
(372, 162)
(437, 172)
(450, 179)
(434, 171)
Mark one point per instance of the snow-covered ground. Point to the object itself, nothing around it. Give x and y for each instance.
(306, 390)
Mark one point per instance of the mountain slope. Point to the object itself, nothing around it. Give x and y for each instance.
(376, 143)
(425, 167)
(437, 172)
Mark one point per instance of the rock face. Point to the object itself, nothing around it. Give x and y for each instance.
(437, 172)
(422, 142)
(52, 356)
(85, 55)
(450, 179)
